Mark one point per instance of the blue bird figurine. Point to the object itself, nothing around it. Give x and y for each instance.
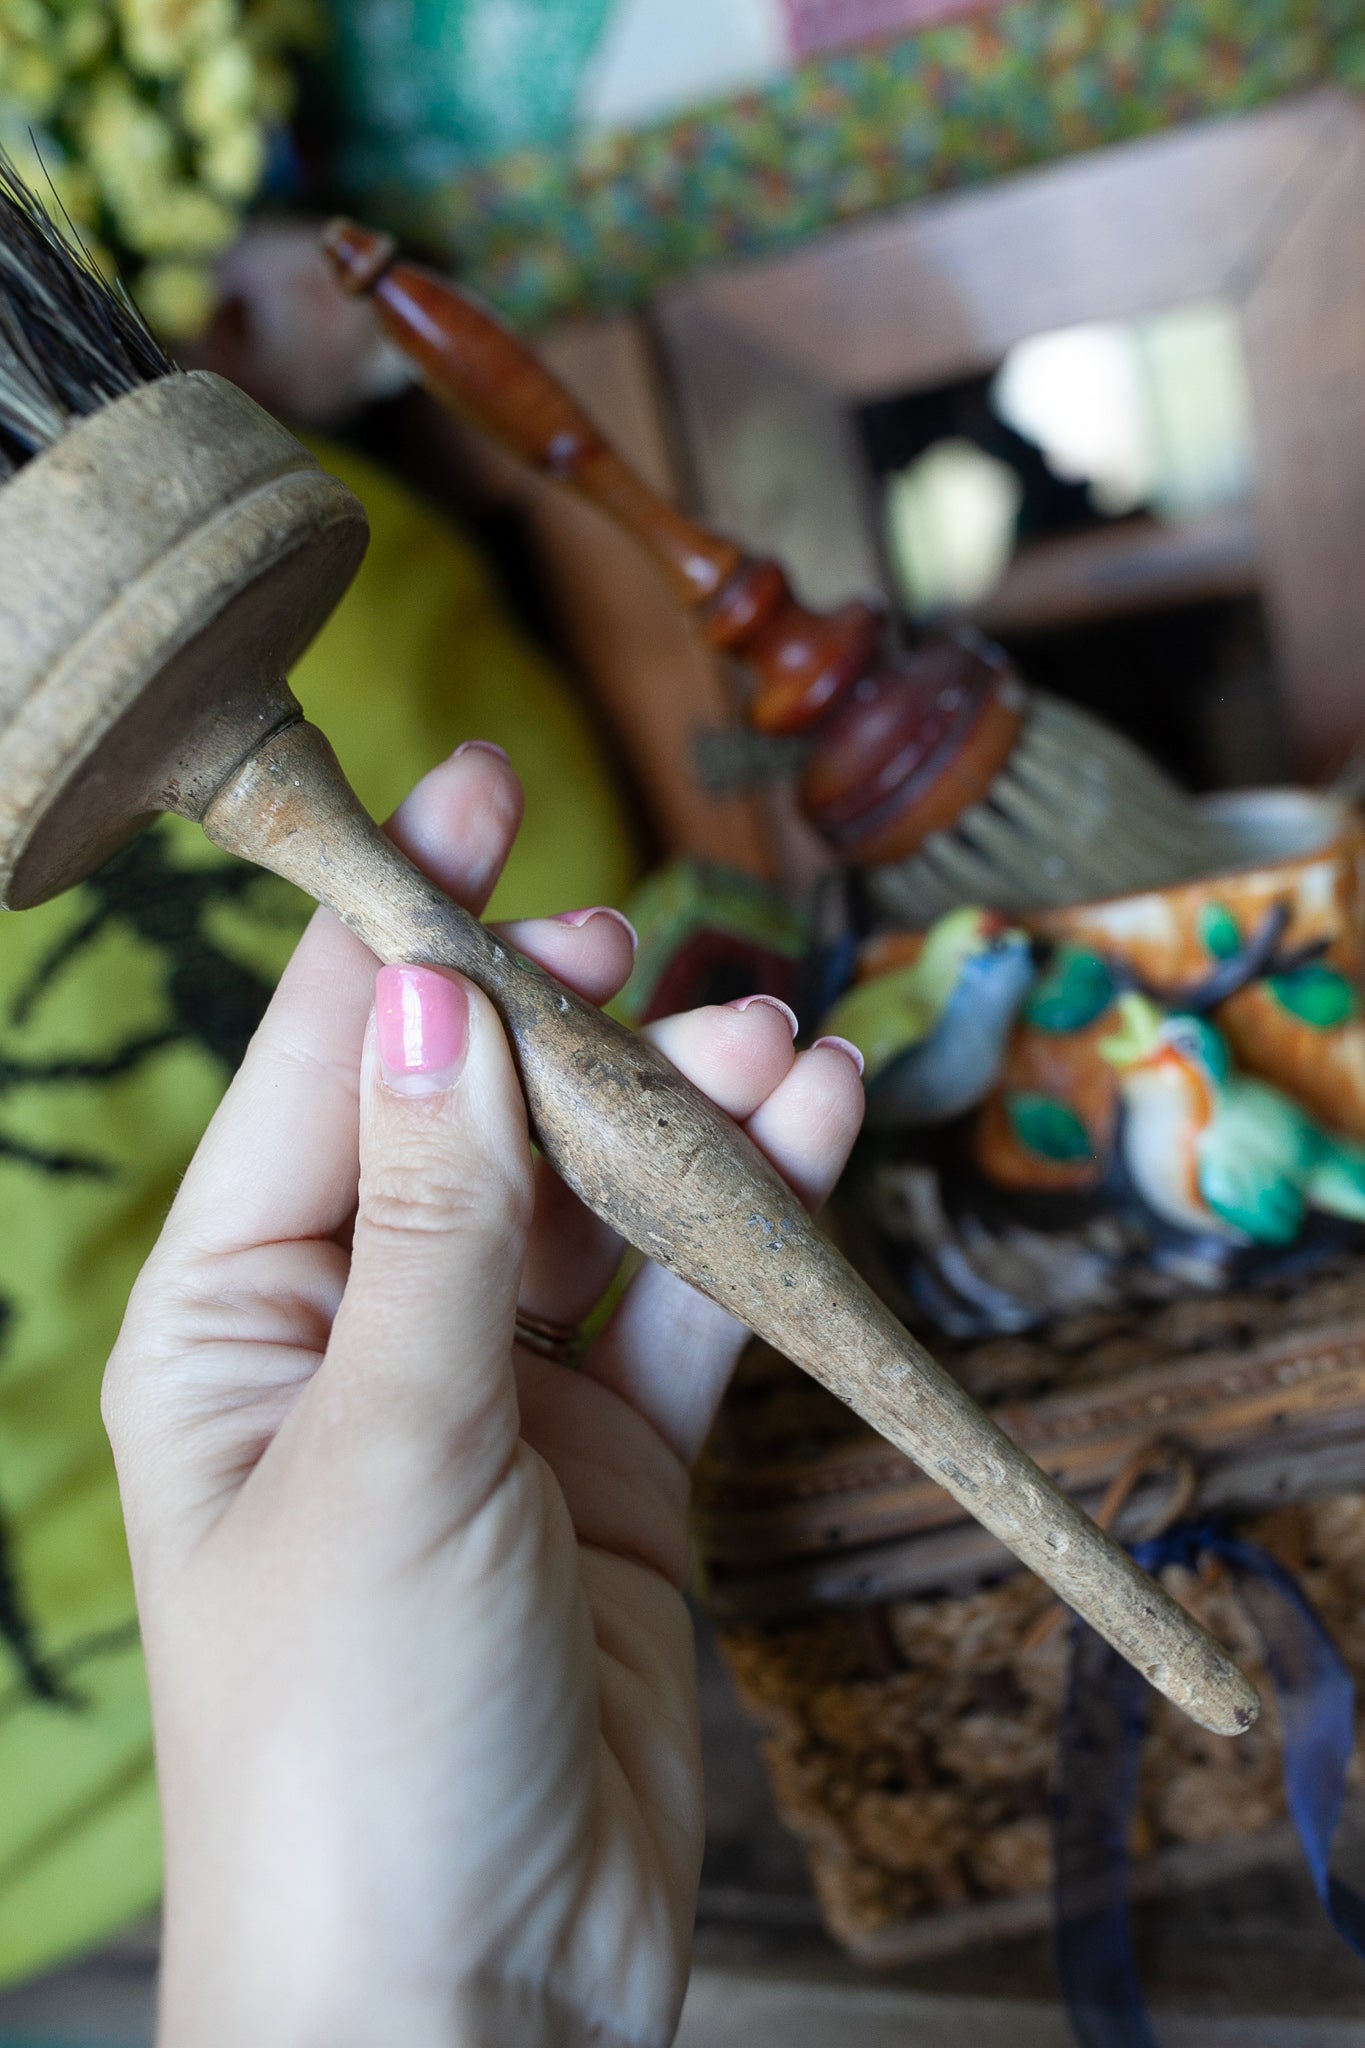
(933, 1033)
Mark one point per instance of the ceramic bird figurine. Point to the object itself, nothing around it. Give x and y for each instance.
(1214, 1151)
(933, 1033)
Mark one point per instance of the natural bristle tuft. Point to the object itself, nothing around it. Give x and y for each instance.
(70, 342)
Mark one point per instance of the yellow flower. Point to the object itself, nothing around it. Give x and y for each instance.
(84, 36)
(219, 88)
(177, 298)
(232, 162)
(126, 142)
(177, 220)
(161, 35)
(33, 81)
(152, 118)
(25, 19)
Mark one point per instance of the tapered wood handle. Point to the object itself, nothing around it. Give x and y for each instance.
(678, 1179)
(803, 662)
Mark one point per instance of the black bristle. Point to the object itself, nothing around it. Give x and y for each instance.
(69, 341)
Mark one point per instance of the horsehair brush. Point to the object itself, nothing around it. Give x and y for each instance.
(166, 552)
(934, 769)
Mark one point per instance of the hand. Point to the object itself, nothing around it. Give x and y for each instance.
(421, 1672)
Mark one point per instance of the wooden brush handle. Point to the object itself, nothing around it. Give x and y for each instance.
(803, 662)
(678, 1179)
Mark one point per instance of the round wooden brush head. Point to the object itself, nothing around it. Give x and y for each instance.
(161, 567)
(913, 745)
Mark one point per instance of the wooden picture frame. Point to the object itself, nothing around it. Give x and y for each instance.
(767, 361)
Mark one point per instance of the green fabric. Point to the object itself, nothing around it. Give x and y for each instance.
(124, 1007)
(602, 223)
(678, 902)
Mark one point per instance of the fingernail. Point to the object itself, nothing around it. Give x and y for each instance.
(482, 747)
(582, 917)
(422, 1027)
(771, 1002)
(842, 1045)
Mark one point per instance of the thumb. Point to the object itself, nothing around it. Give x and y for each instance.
(420, 1353)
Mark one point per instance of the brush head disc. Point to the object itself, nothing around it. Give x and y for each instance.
(162, 565)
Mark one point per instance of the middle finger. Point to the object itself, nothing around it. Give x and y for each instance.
(737, 1054)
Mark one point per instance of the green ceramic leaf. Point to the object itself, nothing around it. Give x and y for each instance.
(1218, 930)
(1319, 996)
(1047, 1127)
(1075, 989)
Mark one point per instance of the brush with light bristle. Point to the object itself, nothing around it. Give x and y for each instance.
(167, 550)
(934, 770)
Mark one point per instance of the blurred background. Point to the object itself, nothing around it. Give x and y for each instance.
(1037, 319)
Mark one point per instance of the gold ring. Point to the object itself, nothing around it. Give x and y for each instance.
(557, 1341)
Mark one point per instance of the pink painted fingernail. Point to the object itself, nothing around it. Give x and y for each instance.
(482, 747)
(582, 917)
(422, 1025)
(771, 1002)
(842, 1045)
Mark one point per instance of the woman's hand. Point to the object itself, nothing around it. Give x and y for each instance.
(422, 1676)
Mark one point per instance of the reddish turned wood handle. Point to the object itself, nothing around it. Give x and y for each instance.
(804, 662)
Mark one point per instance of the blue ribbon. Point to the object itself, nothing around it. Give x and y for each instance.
(1103, 1724)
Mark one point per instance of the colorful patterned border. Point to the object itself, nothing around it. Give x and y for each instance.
(815, 27)
(599, 226)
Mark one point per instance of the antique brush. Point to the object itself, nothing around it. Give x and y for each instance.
(166, 552)
(934, 770)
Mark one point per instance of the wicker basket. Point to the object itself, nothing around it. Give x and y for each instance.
(909, 1679)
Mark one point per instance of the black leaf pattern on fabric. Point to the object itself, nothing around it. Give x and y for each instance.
(213, 1003)
(18, 1632)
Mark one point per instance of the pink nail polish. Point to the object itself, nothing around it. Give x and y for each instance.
(771, 1003)
(579, 918)
(844, 1045)
(422, 1026)
(482, 747)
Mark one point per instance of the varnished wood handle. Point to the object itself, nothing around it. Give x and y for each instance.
(679, 1180)
(483, 369)
(803, 662)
